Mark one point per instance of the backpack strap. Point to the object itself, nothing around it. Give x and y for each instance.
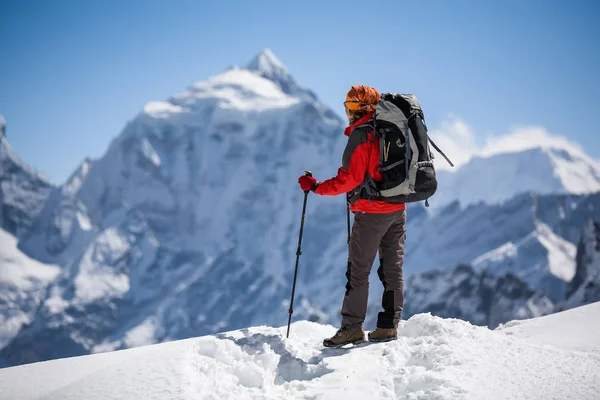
(368, 184)
(440, 151)
(435, 146)
(391, 165)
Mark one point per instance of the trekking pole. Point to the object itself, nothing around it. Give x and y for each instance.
(298, 252)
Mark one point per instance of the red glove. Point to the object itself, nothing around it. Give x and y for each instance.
(308, 183)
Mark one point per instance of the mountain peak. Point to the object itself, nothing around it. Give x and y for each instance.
(528, 138)
(266, 63)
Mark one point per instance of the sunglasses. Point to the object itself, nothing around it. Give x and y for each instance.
(353, 105)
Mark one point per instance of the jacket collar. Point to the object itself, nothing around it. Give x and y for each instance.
(360, 121)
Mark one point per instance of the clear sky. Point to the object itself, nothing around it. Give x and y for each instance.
(72, 73)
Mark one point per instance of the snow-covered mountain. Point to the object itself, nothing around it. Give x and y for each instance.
(23, 283)
(531, 236)
(23, 280)
(23, 191)
(188, 225)
(478, 297)
(553, 357)
(546, 169)
(585, 286)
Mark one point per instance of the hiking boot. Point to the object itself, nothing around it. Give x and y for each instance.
(383, 335)
(344, 336)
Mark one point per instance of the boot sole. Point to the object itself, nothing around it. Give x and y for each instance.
(383, 340)
(335, 346)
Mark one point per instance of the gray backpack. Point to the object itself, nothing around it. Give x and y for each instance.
(405, 160)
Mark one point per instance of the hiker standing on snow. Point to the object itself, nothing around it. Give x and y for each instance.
(378, 226)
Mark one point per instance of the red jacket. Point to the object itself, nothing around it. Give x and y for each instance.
(361, 155)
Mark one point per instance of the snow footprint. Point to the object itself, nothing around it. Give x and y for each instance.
(259, 360)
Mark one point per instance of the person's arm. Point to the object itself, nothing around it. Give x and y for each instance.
(353, 169)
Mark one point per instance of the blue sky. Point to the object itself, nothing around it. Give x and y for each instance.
(72, 73)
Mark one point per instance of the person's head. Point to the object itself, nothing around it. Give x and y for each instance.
(360, 100)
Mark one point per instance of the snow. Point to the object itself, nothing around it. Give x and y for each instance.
(244, 90)
(149, 153)
(500, 255)
(523, 138)
(578, 172)
(22, 285)
(579, 328)
(553, 357)
(162, 109)
(526, 160)
(84, 221)
(542, 259)
(268, 63)
(17, 268)
(97, 277)
(73, 184)
(561, 253)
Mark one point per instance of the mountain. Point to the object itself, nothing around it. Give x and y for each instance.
(23, 283)
(556, 356)
(531, 236)
(585, 286)
(267, 65)
(555, 168)
(23, 191)
(188, 225)
(478, 297)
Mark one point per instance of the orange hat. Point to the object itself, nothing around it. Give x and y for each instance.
(362, 98)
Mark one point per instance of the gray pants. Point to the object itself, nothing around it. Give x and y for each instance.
(370, 233)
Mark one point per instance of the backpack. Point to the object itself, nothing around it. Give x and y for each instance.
(405, 162)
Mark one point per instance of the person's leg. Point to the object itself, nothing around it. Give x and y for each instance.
(367, 233)
(391, 253)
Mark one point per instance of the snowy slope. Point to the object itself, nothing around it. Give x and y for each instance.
(493, 178)
(553, 357)
(23, 284)
(23, 191)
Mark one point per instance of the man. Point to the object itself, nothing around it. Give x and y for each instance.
(378, 226)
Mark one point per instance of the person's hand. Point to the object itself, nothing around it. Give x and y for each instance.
(308, 182)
